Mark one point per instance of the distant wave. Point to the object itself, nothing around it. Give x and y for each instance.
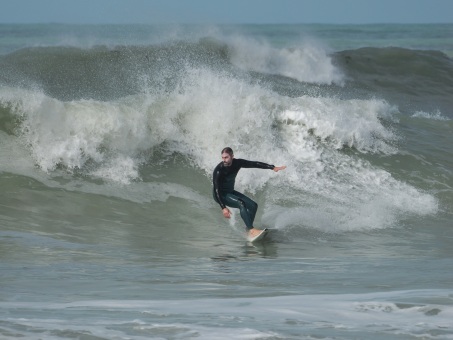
(308, 62)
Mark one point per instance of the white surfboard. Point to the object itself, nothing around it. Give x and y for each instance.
(258, 237)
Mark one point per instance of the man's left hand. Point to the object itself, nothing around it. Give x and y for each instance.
(278, 168)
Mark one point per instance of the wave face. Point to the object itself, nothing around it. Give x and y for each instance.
(110, 112)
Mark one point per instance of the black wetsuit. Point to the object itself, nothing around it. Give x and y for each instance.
(224, 178)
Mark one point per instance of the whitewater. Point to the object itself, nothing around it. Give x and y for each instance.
(108, 139)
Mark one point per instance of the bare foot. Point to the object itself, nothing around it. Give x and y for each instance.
(254, 232)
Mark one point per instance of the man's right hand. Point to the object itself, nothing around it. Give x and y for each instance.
(226, 212)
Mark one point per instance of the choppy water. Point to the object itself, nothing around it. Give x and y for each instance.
(109, 135)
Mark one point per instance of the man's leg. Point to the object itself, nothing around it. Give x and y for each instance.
(250, 205)
(246, 206)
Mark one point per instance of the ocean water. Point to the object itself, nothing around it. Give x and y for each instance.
(108, 139)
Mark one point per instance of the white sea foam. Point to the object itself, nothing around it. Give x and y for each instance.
(352, 123)
(73, 133)
(406, 313)
(437, 115)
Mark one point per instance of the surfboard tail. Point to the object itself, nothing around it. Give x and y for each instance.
(258, 237)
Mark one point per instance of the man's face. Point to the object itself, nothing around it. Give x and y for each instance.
(227, 159)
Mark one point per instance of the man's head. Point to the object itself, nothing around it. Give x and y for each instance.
(227, 156)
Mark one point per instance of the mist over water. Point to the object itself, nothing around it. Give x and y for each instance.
(107, 150)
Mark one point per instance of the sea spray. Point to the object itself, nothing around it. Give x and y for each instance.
(192, 98)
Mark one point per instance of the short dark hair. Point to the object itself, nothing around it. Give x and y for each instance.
(227, 150)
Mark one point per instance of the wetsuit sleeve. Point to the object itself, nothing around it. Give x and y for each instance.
(216, 182)
(253, 164)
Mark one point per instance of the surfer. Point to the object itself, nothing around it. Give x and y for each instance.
(224, 194)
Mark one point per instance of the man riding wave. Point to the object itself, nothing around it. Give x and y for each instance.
(224, 178)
